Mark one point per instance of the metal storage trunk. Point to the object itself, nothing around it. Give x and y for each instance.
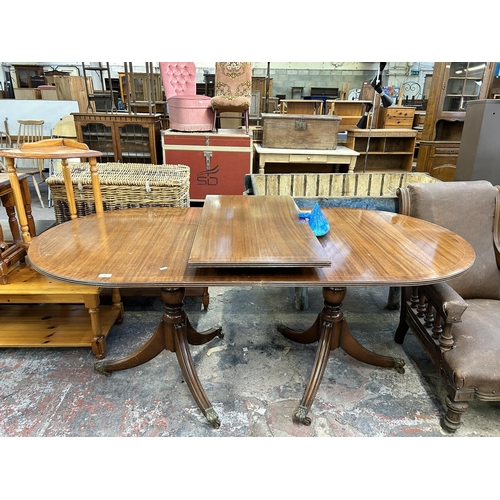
(218, 161)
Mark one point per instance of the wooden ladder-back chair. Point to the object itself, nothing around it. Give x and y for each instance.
(37, 311)
(457, 322)
(31, 131)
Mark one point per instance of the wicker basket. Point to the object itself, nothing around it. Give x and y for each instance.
(123, 185)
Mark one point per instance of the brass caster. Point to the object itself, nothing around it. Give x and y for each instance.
(213, 418)
(399, 365)
(301, 415)
(282, 328)
(101, 368)
(449, 426)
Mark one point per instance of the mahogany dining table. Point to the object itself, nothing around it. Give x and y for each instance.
(243, 241)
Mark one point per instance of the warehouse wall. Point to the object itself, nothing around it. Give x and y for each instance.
(285, 75)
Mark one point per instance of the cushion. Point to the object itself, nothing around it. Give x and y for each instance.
(178, 78)
(190, 113)
(466, 208)
(474, 363)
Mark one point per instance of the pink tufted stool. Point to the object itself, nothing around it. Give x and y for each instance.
(187, 111)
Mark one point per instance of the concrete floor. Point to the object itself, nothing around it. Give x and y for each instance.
(253, 376)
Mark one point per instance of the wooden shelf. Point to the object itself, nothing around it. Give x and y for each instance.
(389, 150)
(38, 311)
(51, 325)
(139, 93)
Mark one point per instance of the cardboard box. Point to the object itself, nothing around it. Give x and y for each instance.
(292, 131)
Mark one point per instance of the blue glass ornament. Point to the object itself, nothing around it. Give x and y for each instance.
(318, 222)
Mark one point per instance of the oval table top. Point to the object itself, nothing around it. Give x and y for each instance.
(149, 247)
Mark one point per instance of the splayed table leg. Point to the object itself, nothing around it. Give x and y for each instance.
(330, 330)
(174, 333)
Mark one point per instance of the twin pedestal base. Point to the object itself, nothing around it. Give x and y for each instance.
(174, 333)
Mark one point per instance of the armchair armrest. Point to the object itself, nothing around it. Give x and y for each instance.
(439, 308)
(447, 302)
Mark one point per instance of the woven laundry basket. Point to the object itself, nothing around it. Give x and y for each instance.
(123, 185)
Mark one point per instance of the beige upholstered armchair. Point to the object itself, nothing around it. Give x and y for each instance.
(233, 89)
(458, 322)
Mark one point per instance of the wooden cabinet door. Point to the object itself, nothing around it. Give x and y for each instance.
(97, 136)
(453, 85)
(133, 143)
